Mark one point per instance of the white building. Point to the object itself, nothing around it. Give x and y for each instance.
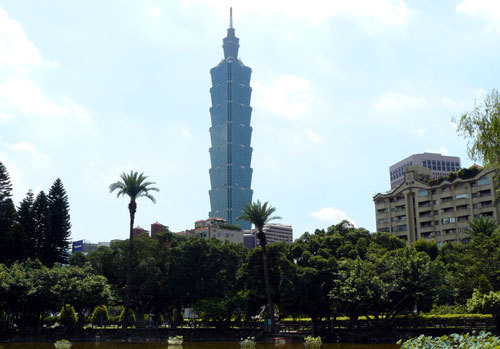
(274, 233)
(216, 228)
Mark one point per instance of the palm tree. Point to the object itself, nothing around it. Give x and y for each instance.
(259, 215)
(134, 185)
(481, 225)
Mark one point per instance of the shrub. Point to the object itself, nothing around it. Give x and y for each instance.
(131, 315)
(482, 340)
(67, 317)
(50, 320)
(448, 309)
(100, 315)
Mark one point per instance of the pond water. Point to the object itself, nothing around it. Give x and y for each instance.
(191, 345)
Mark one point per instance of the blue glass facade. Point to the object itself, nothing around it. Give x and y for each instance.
(230, 134)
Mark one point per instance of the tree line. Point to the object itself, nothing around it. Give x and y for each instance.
(340, 271)
(39, 228)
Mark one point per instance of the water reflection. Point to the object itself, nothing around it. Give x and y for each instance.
(192, 345)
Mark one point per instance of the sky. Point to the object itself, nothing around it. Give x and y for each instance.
(341, 91)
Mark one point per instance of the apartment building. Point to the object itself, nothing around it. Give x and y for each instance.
(437, 209)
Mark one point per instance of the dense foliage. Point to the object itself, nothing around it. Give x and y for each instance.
(341, 271)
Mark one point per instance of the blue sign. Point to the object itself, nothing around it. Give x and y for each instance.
(78, 246)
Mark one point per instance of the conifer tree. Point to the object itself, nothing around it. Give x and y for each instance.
(26, 225)
(59, 222)
(5, 185)
(41, 217)
(7, 210)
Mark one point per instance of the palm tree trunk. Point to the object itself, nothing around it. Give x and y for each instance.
(132, 207)
(270, 306)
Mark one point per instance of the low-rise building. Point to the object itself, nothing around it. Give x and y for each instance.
(275, 232)
(157, 228)
(437, 209)
(139, 230)
(216, 227)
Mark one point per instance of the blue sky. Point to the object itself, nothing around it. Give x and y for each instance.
(341, 90)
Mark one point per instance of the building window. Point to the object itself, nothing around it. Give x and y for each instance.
(422, 193)
(462, 196)
(483, 181)
(449, 220)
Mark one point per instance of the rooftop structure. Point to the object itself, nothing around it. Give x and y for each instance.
(215, 227)
(157, 228)
(440, 165)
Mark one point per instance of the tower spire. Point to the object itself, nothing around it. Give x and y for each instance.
(231, 18)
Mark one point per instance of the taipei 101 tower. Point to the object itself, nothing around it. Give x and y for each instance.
(230, 134)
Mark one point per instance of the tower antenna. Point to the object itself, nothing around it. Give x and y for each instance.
(231, 17)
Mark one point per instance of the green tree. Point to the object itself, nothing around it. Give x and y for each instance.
(67, 317)
(428, 246)
(133, 185)
(488, 303)
(77, 259)
(81, 288)
(42, 228)
(5, 185)
(482, 127)
(260, 214)
(26, 222)
(59, 223)
(482, 225)
(100, 315)
(7, 211)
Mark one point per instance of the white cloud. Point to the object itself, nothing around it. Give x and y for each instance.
(16, 50)
(186, 132)
(289, 96)
(23, 146)
(367, 12)
(420, 132)
(479, 95)
(73, 108)
(312, 136)
(27, 147)
(331, 215)
(399, 101)
(153, 11)
(448, 102)
(486, 10)
(21, 94)
(441, 150)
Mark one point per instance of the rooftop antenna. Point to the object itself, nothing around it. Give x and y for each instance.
(231, 18)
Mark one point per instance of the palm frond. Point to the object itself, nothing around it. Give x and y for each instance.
(258, 214)
(134, 185)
